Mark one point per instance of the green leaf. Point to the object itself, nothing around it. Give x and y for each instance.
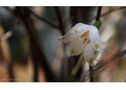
(98, 24)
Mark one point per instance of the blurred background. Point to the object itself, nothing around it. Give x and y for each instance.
(31, 52)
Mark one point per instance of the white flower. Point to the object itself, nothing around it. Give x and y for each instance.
(83, 38)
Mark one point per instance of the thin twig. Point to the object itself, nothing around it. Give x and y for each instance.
(38, 17)
(115, 56)
(98, 13)
(101, 64)
(108, 12)
(62, 30)
(60, 20)
(43, 19)
(36, 50)
(112, 10)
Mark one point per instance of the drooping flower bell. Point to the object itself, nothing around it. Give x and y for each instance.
(83, 39)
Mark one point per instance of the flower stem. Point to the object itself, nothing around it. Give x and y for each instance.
(77, 66)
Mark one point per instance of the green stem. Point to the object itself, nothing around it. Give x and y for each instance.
(77, 66)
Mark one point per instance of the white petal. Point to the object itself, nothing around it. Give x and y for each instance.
(76, 42)
(88, 52)
(81, 28)
(95, 38)
(76, 45)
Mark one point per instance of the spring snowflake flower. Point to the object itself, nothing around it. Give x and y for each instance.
(83, 38)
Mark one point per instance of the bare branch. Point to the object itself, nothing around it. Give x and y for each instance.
(109, 12)
(35, 47)
(43, 19)
(98, 13)
(101, 64)
(60, 20)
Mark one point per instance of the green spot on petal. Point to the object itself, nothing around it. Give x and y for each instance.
(91, 61)
(76, 31)
(97, 46)
(72, 51)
